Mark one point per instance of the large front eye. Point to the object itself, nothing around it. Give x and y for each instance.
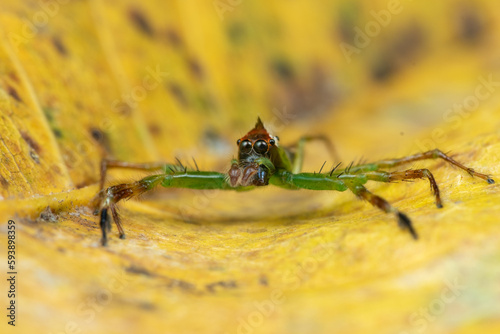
(260, 146)
(245, 146)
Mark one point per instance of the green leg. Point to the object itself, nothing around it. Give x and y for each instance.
(149, 166)
(433, 154)
(298, 159)
(175, 179)
(340, 183)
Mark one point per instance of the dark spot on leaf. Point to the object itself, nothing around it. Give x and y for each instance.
(313, 93)
(147, 306)
(154, 129)
(175, 283)
(140, 21)
(195, 68)
(382, 69)
(263, 280)
(31, 142)
(101, 138)
(97, 134)
(401, 50)
(49, 113)
(4, 182)
(57, 132)
(213, 287)
(178, 94)
(14, 76)
(13, 92)
(283, 69)
(174, 38)
(236, 33)
(470, 25)
(139, 270)
(59, 45)
(33, 145)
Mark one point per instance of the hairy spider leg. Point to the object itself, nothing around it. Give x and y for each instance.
(433, 154)
(377, 201)
(340, 182)
(171, 179)
(409, 174)
(107, 164)
(298, 158)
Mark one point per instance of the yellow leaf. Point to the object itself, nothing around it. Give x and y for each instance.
(154, 80)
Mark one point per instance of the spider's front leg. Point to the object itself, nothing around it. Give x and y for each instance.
(114, 194)
(172, 178)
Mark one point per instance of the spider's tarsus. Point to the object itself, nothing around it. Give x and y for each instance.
(405, 222)
(490, 180)
(104, 224)
(439, 205)
(122, 236)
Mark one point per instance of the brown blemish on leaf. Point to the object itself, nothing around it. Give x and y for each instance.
(140, 21)
(4, 182)
(221, 284)
(13, 92)
(178, 94)
(34, 147)
(154, 129)
(400, 52)
(471, 27)
(183, 285)
(308, 96)
(174, 38)
(195, 68)
(59, 46)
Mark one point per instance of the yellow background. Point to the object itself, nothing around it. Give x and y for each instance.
(270, 260)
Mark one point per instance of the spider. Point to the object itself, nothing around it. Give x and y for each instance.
(262, 161)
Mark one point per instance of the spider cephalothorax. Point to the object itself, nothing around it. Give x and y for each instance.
(255, 144)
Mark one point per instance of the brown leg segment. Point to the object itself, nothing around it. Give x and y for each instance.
(403, 221)
(434, 154)
(120, 192)
(409, 174)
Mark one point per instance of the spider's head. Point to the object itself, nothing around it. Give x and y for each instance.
(255, 144)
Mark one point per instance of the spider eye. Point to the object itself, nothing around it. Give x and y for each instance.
(272, 142)
(245, 146)
(260, 146)
(238, 142)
